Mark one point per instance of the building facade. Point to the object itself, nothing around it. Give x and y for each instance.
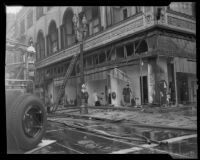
(151, 49)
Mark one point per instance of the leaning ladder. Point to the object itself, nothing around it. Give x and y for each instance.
(66, 77)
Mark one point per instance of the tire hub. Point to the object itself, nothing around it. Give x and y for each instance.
(32, 121)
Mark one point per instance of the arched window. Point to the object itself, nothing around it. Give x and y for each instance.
(52, 40)
(40, 47)
(67, 30)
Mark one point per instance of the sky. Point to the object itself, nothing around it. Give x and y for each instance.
(13, 9)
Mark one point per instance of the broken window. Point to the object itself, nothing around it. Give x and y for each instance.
(102, 57)
(89, 61)
(120, 52)
(96, 59)
(129, 49)
(140, 47)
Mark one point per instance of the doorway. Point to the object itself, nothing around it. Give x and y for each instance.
(144, 90)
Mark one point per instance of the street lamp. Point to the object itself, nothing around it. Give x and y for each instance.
(80, 32)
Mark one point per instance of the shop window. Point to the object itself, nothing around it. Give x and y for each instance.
(102, 57)
(129, 49)
(120, 52)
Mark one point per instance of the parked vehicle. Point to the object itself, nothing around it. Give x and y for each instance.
(25, 112)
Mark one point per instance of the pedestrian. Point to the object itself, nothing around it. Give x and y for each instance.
(168, 99)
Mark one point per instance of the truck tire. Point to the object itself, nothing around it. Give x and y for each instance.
(27, 120)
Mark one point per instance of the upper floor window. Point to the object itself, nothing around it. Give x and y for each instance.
(22, 26)
(52, 41)
(39, 12)
(30, 19)
(40, 46)
(182, 7)
(67, 30)
(125, 13)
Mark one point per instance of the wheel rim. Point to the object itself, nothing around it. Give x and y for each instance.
(33, 121)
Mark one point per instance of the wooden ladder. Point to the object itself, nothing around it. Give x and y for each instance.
(66, 77)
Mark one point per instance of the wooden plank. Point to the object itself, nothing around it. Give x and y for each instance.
(43, 144)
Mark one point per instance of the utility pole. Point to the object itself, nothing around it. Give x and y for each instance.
(81, 29)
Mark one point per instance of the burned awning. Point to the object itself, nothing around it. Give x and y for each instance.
(184, 65)
(119, 74)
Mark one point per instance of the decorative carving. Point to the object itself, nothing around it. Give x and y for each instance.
(148, 18)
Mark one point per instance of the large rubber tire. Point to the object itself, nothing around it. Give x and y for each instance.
(15, 120)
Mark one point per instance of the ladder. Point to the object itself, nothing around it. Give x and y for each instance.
(66, 77)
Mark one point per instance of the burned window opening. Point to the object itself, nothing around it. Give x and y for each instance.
(95, 59)
(141, 47)
(102, 57)
(89, 61)
(129, 49)
(120, 52)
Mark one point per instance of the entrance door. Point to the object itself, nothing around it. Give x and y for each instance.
(144, 86)
(182, 87)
